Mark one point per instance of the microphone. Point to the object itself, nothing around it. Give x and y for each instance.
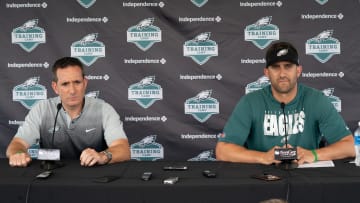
(52, 164)
(58, 107)
(286, 155)
(282, 106)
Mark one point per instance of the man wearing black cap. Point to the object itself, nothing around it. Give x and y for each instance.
(262, 119)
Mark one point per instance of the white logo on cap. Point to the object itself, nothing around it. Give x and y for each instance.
(282, 52)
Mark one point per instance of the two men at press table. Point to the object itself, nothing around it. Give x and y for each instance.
(255, 129)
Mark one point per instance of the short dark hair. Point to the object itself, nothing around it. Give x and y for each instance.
(65, 62)
(281, 51)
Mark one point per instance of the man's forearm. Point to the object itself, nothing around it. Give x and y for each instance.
(16, 146)
(342, 149)
(235, 153)
(120, 151)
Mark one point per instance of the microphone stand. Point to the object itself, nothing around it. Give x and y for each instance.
(51, 164)
(286, 162)
(287, 165)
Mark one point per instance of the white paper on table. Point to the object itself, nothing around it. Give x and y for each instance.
(318, 164)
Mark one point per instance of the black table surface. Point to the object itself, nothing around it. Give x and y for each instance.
(234, 183)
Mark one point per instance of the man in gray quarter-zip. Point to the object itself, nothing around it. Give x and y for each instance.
(86, 128)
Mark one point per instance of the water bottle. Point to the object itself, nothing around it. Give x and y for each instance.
(357, 145)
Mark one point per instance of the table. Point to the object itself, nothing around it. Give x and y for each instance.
(74, 183)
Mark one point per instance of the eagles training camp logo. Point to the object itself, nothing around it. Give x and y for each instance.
(202, 106)
(323, 46)
(199, 3)
(34, 149)
(322, 2)
(201, 48)
(88, 49)
(204, 156)
(145, 92)
(86, 3)
(258, 84)
(329, 92)
(29, 92)
(262, 33)
(29, 35)
(147, 149)
(144, 34)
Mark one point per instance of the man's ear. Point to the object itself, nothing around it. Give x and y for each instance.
(85, 82)
(298, 70)
(266, 72)
(54, 86)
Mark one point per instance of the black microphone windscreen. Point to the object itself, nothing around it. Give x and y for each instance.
(59, 105)
(282, 104)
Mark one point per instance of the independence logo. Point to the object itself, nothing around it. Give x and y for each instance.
(145, 92)
(147, 149)
(199, 3)
(201, 48)
(86, 3)
(336, 101)
(204, 156)
(29, 35)
(29, 92)
(202, 106)
(322, 2)
(144, 34)
(88, 49)
(323, 46)
(262, 33)
(258, 84)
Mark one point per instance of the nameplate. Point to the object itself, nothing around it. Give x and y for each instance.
(49, 154)
(283, 154)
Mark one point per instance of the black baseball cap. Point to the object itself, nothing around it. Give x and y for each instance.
(281, 51)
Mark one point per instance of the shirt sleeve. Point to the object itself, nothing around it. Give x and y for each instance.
(331, 124)
(113, 126)
(30, 129)
(238, 126)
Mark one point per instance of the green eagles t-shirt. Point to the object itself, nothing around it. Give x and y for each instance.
(257, 121)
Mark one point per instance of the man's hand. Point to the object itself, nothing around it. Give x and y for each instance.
(304, 156)
(19, 159)
(16, 152)
(90, 157)
(269, 157)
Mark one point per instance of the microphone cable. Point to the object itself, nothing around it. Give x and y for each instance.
(27, 197)
(45, 164)
(42, 175)
(288, 186)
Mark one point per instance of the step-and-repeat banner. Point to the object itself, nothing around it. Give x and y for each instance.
(174, 70)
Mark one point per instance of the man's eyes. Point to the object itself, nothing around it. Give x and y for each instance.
(68, 83)
(285, 66)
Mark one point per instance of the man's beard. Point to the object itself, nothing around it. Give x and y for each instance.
(284, 90)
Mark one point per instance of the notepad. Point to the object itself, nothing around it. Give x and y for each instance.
(318, 164)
